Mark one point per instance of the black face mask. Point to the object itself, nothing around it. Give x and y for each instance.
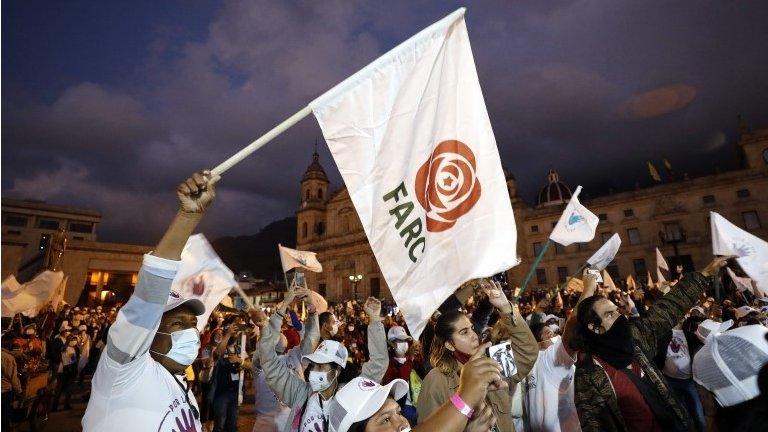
(615, 346)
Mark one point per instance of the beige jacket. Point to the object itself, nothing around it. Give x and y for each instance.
(438, 387)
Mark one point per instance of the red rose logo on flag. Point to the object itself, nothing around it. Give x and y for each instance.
(446, 184)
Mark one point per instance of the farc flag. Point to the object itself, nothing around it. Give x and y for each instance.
(752, 252)
(576, 225)
(202, 275)
(411, 137)
(606, 253)
(292, 258)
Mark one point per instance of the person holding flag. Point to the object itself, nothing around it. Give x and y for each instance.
(138, 384)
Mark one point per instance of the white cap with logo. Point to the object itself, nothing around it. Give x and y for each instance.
(360, 399)
(175, 300)
(398, 333)
(329, 351)
(744, 311)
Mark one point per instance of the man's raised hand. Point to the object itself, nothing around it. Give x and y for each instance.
(372, 308)
(197, 192)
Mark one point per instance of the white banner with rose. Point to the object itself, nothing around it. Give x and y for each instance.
(411, 137)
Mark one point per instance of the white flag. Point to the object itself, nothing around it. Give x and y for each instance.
(58, 296)
(631, 282)
(752, 252)
(606, 253)
(742, 283)
(27, 298)
(576, 225)
(292, 258)
(660, 276)
(202, 275)
(660, 261)
(411, 137)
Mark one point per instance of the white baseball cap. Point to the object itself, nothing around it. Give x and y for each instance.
(710, 327)
(699, 309)
(329, 351)
(728, 364)
(398, 333)
(175, 300)
(360, 399)
(744, 311)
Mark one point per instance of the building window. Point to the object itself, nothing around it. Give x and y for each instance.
(605, 236)
(751, 220)
(534, 228)
(559, 249)
(16, 220)
(562, 274)
(554, 224)
(321, 288)
(81, 227)
(48, 224)
(613, 270)
(742, 193)
(640, 269)
(708, 199)
(375, 287)
(541, 276)
(634, 236)
(603, 216)
(304, 230)
(536, 248)
(320, 193)
(78, 238)
(13, 232)
(673, 232)
(583, 247)
(629, 213)
(306, 195)
(320, 229)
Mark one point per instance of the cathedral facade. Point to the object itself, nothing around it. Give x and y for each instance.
(672, 216)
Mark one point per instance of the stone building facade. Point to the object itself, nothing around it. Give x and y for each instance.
(673, 216)
(98, 272)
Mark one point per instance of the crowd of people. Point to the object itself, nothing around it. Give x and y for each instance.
(691, 355)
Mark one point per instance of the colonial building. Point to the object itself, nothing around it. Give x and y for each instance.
(98, 272)
(673, 216)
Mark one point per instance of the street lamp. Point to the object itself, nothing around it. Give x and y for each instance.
(355, 279)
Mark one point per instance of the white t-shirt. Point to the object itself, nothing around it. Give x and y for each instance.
(549, 391)
(678, 362)
(138, 396)
(315, 414)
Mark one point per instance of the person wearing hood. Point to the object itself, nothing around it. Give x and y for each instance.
(309, 399)
(617, 387)
(139, 382)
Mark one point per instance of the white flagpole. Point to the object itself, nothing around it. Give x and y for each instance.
(267, 137)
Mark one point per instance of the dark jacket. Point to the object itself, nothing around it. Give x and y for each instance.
(594, 394)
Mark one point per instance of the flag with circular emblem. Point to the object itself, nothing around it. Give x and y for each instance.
(411, 137)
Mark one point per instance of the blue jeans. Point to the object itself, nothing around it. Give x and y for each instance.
(685, 390)
(225, 411)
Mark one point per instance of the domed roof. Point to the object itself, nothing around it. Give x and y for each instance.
(555, 192)
(315, 171)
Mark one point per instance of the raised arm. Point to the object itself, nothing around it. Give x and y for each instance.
(376, 366)
(524, 345)
(136, 323)
(667, 311)
(590, 285)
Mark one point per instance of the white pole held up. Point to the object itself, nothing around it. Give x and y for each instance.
(267, 137)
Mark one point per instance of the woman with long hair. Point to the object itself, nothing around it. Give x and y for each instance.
(454, 343)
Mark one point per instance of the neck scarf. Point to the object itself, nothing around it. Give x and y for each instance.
(461, 357)
(615, 346)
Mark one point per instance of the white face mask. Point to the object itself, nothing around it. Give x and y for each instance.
(554, 327)
(319, 381)
(401, 348)
(184, 346)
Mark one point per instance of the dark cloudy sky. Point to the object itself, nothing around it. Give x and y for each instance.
(107, 105)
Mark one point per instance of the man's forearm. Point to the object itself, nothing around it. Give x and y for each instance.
(175, 237)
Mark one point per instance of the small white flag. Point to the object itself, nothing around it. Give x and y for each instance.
(576, 225)
(650, 283)
(605, 254)
(742, 283)
(660, 276)
(631, 282)
(292, 258)
(660, 261)
(411, 137)
(752, 252)
(202, 275)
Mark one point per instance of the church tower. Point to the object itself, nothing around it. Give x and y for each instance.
(753, 146)
(311, 223)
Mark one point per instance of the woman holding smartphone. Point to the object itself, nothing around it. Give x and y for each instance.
(453, 345)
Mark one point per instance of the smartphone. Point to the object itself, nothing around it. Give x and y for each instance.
(596, 273)
(501, 278)
(503, 355)
(299, 280)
